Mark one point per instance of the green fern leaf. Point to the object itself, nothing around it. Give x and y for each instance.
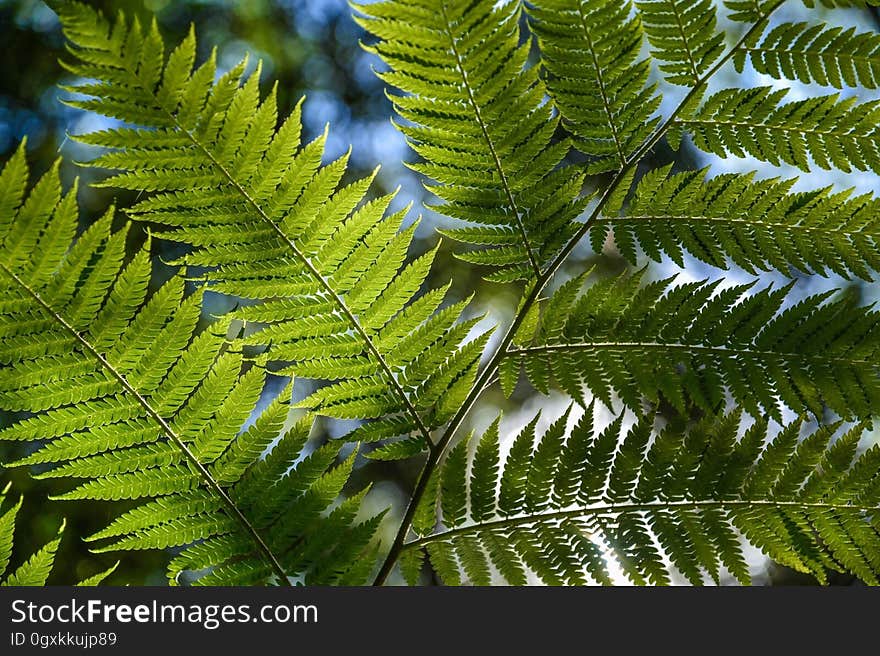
(755, 11)
(163, 423)
(397, 450)
(271, 224)
(758, 225)
(830, 132)
(684, 34)
(36, 570)
(688, 343)
(830, 56)
(689, 521)
(478, 119)
(590, 51)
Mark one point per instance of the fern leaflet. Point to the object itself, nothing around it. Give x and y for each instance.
(560, 507)
(757, 225)
(274, 227)
(479, 120)
(751, 11)
(684, 34)
(36, 569)
(830, 132)
(125, 398)
(831, 56)
(590, 50)
(694, 341)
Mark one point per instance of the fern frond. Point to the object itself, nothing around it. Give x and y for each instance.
(694, 342)
(655, 503)
(685, 35)
(478, 118)
(831, 56)
(756, 224)
(828, 131)
(271, 223)
(126, 399)
(36, 570)
(591, 49)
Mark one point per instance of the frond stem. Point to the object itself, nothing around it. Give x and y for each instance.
(622, 509)
(702, 218)
(745, 124)
(674, 346)
(867, 60)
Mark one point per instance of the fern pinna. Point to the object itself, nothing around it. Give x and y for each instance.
(560, 507)
(128, 399)
(274, 226)
(739, 413)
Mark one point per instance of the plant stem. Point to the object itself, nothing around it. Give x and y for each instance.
(627, 508)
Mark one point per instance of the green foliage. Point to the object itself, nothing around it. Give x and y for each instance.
(657, 503)
(754, 11)
(830, 56)
(476, 113)
(696, 343)
(831, 4)
(758, 225)
(36, 569)
(751, 11)
(511, 108)
(591, 51)
(128, 399)
(274, 226)
(685, 35)
(824, 131)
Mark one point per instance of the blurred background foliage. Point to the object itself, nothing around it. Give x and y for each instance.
(311, 47)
